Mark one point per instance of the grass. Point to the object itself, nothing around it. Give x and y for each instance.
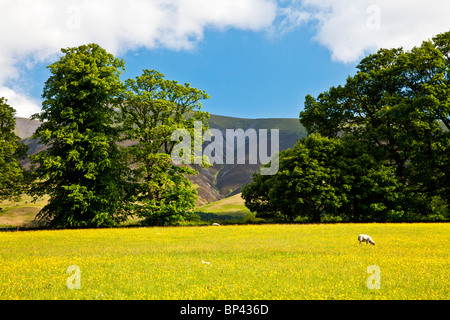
(231, 205)
(20, 213)
(245, 262)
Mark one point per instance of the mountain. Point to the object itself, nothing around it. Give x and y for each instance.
(228, 179)
(219, 180)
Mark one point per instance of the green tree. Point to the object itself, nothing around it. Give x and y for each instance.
(153, 110)
(397, 104)
(325, 115)
(12, 175)
(371, 189)
(322, 177)
(304, 185)
(81, 170)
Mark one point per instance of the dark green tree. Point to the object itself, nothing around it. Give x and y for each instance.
(398, 106)
(154, 108)
(322, 177)
(305, 185)
(371, 189)
(81, 170)
(12, 175)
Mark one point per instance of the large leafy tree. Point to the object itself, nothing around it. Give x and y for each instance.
(302, 187)
(81, 170)
(12, 176)
(371, 190)
(323, 176)
(398, 105)
(154, 108)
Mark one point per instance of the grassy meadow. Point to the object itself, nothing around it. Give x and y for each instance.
(20, 213)
(292, 262)
(231, 205)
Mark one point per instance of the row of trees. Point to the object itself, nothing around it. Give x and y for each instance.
(379, 146)
(109, 144)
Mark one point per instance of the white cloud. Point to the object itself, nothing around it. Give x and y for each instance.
(288, 19)
(24, 105)
(42, 27)
(352, 28)
(36, 30)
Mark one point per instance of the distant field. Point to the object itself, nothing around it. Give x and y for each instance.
(20, 213)
(232, 262)
(23, 212)
(233, 205)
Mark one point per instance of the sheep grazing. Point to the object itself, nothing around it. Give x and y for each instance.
(216, 225)
(365, 238)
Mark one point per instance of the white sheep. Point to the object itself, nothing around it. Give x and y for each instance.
(216, 225)
(365, 238)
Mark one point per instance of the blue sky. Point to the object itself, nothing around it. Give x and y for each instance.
(246, 74)
(255, 58)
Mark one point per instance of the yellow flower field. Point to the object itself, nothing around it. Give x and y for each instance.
(266, 262)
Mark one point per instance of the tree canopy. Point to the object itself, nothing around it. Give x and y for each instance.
(81, 170)
(323, 177)
(108, 143)
(154, 108)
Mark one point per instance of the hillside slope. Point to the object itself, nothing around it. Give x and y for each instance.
(228, 179)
